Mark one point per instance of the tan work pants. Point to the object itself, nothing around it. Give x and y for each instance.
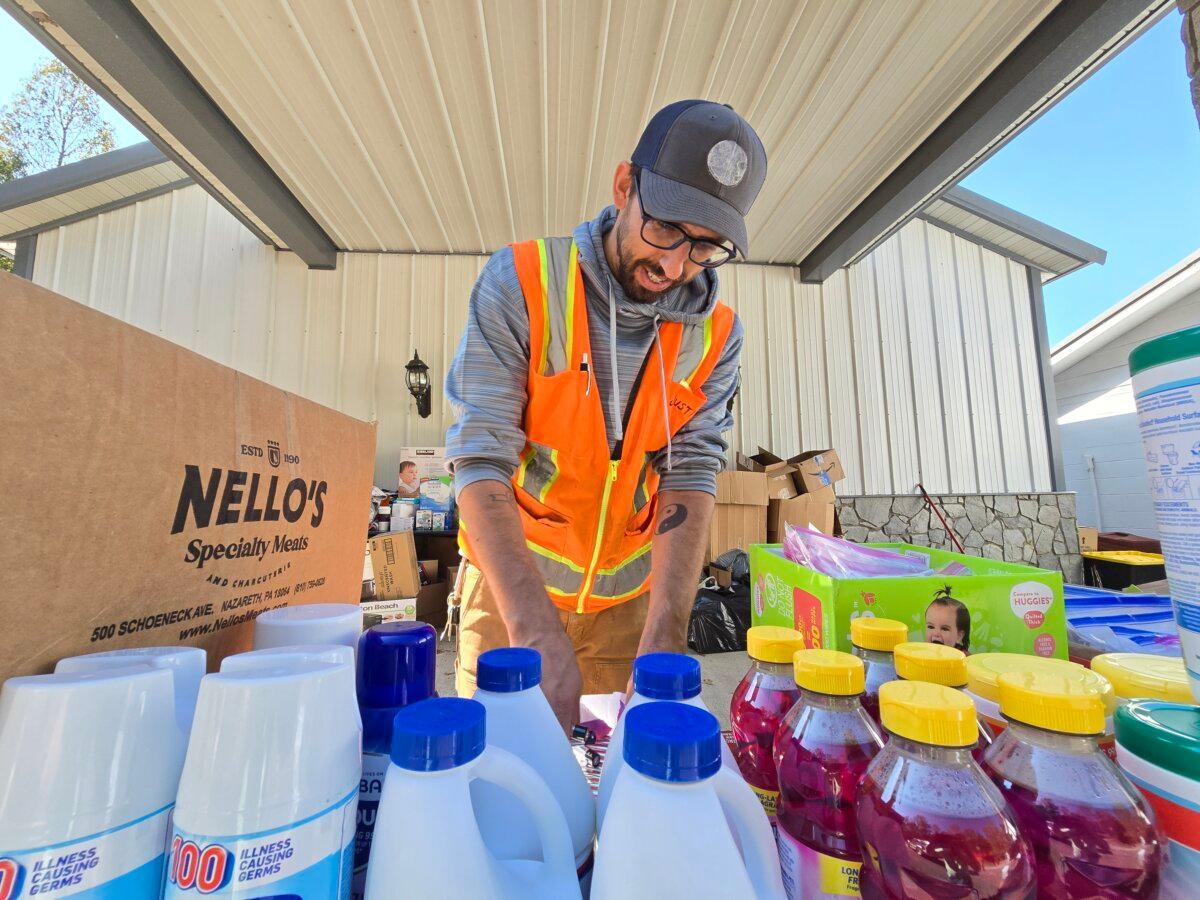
(605, 642)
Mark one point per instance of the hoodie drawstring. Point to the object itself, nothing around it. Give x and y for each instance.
(662, 374)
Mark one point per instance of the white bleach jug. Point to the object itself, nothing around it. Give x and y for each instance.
(520, 720)
(427, 839)
(678, 817)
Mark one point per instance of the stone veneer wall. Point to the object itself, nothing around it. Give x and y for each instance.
(1038, 529)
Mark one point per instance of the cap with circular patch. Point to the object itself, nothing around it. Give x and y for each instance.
(702, 164)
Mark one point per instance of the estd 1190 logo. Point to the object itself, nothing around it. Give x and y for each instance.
(207, 869)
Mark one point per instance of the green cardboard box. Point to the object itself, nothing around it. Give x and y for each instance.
(1000, 607)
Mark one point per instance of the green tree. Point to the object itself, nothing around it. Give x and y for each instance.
(10, 168)
(54, 119)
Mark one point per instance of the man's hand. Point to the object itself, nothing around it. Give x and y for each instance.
(561, 682)
(528, 613)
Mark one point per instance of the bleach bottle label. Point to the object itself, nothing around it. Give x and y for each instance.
(370, 789)
(310, 859)
(125, 862)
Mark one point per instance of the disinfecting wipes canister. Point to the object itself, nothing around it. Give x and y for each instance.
(1166, 386)
(90, 764)
(269, 790)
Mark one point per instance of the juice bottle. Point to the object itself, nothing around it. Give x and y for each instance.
(939, 664)
(1093, 835)
(930, 823)
(759, 704)
(983, 687)
(873, 640)
(822, 749)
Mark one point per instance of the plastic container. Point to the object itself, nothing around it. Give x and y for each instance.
(397, 663)
(682, 825)
(267, 800)
(1166, 387)
(298, 654)
(187, 666)
(929, 820)
(984, 671)
(1092, 833)
(1158, 749)
(759, 703)
(428, 823)
(521, 721)
(656, 676)
(309, 623)
(873, 641)
(90, 764)
(822, 748)
(1143, 676)
(939, 664)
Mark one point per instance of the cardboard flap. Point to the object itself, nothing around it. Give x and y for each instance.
(742, 488)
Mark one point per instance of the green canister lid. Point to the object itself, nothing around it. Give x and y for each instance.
(1166, 349)
(1165, 734)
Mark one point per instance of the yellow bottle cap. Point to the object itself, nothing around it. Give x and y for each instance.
(935, 663)
(1145, 676)
(1054, 700)
(772, 643)
(829, 672)
(983, 670)
(870, 633)
(928, 713)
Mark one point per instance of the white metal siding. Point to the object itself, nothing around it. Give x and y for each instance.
(1097, 418)
(902, 362)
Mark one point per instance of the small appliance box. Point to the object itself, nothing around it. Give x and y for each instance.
(1000, 607)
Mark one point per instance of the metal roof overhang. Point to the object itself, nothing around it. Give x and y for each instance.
(457, 126)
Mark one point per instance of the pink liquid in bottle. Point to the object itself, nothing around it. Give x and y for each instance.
(932, 825)
(758, 707)
(1092, 833)
(823, 747)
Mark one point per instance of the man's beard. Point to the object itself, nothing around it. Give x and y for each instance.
(627, 268)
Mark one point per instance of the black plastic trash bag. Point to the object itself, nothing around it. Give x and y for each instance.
(719, 619)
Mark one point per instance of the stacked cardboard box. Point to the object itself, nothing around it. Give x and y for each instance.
(766, 491)
(405, 588)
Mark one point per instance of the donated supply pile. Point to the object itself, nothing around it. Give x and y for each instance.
(322, 764)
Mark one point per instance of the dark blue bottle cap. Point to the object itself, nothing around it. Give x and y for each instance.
(508, 669)
(672, 741)
(666, 676)
(438, 733)
(396, 664)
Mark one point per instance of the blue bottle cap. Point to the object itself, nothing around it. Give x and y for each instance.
(396, 664)
(508, 669)
(438, 733)
(672, 741)
(666, 676)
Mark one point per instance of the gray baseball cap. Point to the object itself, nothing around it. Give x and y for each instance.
(701, 163)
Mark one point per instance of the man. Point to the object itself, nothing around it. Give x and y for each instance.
(409, 484)
(593, 384)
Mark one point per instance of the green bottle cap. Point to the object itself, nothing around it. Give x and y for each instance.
(1165, 734)
(1166, 349)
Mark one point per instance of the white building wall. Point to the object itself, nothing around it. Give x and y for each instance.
(1097, 419)
(917, 363)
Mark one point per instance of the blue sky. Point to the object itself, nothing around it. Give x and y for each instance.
(1116, 163)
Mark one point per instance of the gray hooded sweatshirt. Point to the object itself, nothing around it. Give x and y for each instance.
(486, 383)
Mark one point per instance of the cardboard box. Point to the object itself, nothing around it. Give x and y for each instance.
(1089, 539)
(1008, 607)
(817, 469)
(199, 497)
(813, 510)
(427, 462)
(780, 474)
(401, 610)
(740, 516)
(394, 565)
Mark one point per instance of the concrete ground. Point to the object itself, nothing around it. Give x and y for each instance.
(720, 674)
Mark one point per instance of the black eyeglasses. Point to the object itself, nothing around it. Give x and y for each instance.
(667, 236)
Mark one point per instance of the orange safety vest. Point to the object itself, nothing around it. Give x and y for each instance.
(588, 516)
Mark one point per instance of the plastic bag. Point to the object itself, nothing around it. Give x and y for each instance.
(843, 559)
(719, 619)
